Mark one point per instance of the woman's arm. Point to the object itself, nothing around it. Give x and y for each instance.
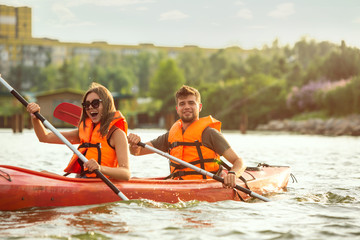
(119, 140)
(49, 137)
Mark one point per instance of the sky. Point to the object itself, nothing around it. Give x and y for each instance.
(247, 24)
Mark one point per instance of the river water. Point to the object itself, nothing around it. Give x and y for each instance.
(323, 204)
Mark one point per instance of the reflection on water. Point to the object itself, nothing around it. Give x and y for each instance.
(323, 204)
(89, 220)
(85, 221)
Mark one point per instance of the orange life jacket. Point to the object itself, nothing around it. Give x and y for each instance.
(188, 147)
(94, 145)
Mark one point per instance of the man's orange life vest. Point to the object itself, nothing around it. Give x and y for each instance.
(188, 147)
(94, 145)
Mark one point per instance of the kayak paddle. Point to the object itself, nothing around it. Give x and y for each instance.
(63, 139)
(201, 171)
(68, 108)
(68, 112)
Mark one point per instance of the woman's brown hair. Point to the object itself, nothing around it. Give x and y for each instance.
(108, 112)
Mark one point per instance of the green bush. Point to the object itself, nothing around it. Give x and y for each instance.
(342, 100)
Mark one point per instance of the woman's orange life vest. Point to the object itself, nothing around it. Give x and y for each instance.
(94, 145)
(188, 147)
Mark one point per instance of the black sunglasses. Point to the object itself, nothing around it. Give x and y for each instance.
(94, 103)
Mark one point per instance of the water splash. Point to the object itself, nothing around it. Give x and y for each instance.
(152, 204)
(328, 197)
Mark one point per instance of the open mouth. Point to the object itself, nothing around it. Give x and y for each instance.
(94, 114)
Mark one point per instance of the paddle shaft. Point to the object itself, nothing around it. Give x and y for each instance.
(202, 171)
(63, 139)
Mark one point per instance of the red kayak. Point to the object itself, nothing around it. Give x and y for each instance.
(23, 188)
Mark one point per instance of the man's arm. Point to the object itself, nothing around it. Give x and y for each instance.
(238, 164)
(160, 143)
(214, 140)
(237, 169)
(135, 149)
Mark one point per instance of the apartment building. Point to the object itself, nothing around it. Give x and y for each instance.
(18, 47)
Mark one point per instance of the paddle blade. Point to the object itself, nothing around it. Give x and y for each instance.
(68, 112)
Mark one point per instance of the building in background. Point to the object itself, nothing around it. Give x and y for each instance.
(18, 47)
(15, 22)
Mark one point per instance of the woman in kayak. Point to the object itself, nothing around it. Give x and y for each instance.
(101, 134)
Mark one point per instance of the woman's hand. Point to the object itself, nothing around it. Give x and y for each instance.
(92, 165)
(33, 108)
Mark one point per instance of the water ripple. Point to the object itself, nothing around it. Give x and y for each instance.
(328, 197)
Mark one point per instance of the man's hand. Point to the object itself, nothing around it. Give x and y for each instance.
(133, 140)
(229, 179)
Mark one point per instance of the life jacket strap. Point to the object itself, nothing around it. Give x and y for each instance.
(179, 166)
(196, 144)
(110, 133)
(202, 162)
(176, 144)
(179, 174)
(89, 145)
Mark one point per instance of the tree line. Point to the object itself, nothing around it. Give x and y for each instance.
(309, 79)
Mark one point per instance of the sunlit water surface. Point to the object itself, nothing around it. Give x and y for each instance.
(323, 204)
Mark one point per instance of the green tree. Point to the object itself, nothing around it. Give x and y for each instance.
(341, 100)
(259, 97)
(294, 76)
(119, 79)
(69, 74)
(218, 62)
(146, 65)
(22, 77)
(255, 64)
(194, 64)
(341, 63)
(166, 81)
(47, 79)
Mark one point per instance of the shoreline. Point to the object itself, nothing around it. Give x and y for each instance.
(346, 126)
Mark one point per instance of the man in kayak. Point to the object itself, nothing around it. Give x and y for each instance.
(195, 140)
(101, 134)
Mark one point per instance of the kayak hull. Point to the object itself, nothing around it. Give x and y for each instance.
(23, 188)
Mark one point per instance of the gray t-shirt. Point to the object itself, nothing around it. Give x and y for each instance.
(211, 138)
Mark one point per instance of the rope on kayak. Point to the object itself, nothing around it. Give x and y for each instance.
(238, 194)
(293, 178)
(250, 175)
(247, 186)
(5, 175)
(266, 165)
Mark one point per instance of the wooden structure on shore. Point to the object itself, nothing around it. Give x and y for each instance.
(12, 114)
(15, 122)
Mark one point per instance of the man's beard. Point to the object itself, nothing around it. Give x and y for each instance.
(188, 119)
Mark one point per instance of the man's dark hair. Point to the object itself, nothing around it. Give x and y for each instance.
(185, 91)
